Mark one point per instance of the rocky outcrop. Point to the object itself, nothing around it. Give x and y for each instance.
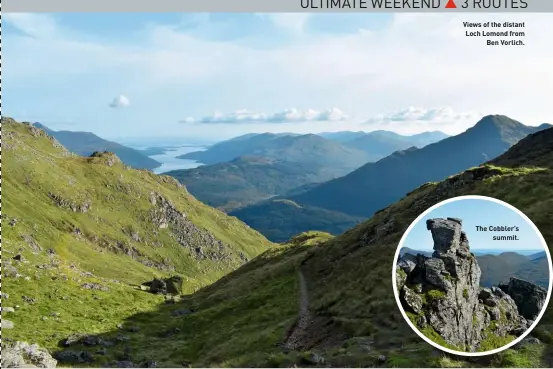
(442, 293)
(74, 206)
(105, 157)
(171, 286)
(16, 354)
(528, 297)
(200, 243)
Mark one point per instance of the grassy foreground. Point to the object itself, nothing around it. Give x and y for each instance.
(243, 318)
(80, 234)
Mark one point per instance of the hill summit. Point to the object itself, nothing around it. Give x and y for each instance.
(377, 185)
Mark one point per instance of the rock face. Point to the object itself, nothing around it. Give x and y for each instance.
(443, 292)
(528, 297)
(200, 243)
(17, 354)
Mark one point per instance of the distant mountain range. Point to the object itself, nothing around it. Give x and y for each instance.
(531, 254)
(255, 167)
(342, 136)
(379, 144)
(342, 151)
(247, 180)
(376, 185)
(499, 268)
(305, 149)
(85, 143)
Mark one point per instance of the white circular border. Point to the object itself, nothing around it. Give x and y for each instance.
(462, 353)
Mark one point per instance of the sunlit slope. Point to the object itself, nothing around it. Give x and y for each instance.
(355, 318)
(77, 232)
(351, 274)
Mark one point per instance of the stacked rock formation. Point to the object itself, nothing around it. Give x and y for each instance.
(442, 293)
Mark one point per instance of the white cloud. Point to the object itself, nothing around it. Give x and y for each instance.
(413, 114)
(120, 101)
(419, 60)
(285, 116)
(416, 119)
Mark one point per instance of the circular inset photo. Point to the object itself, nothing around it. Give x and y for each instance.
(472, 275)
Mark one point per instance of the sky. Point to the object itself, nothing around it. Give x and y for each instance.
(221, 75)
(481, 213)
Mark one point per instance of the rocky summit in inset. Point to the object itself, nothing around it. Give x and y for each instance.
(443, 298)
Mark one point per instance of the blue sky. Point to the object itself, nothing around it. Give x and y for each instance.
(221, 75)
(478, 213)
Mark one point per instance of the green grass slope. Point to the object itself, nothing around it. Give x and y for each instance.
(361, 303)
(355, 321)
(79, 233)
(247, 317)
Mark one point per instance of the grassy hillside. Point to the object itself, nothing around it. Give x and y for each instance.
(246, 180)
(363, 303)
(354, 318)
(280, 219)
(248, 318)
(376, 185)
(85, 143)
(79, 232)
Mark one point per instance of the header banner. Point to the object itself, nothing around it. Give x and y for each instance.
(280, 6)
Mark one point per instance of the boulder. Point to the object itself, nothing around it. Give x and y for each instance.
(16, 354)
(407, 263)
(174, 285)
(446, 234)
(412, 299)
(529, 298)
(401, 276)
(158, 286)
(74, 357)
(171, 286)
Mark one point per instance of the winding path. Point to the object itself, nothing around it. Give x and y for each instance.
(294, 340)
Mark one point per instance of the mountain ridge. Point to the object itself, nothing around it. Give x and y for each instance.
(248, 179)
(376, 185)
(85, 143)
